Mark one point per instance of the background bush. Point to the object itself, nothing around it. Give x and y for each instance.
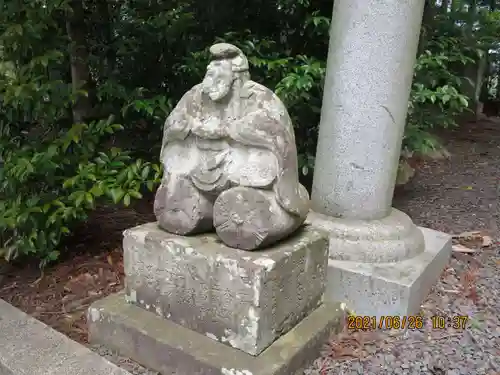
(85, 86)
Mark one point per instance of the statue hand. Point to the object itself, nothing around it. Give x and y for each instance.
(176, 127)
(237, 129)
(230, 127)
(209, 128)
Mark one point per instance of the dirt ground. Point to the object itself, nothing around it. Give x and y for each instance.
(60, 296)
(453, 196)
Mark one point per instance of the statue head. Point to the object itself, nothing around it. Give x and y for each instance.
(228, 65)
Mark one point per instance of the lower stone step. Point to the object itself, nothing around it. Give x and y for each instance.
(169, 348)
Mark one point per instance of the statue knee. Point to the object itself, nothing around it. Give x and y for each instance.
(181, 209)
(250, 219)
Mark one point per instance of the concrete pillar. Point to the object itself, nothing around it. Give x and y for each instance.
(380, 262)
(373, 46)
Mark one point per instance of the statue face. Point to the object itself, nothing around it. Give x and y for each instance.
(218, 79)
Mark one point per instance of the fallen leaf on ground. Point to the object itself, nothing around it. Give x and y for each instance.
(78, 305)
(452, 291)
(468, 281)
(81, 280)
(462, 249)
(472, 235)
(466, 258)
(120, 267)
(487, 241)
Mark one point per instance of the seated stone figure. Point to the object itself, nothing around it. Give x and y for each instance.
(230, 160)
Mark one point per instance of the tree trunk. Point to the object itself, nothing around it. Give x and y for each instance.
(472, 17)
(498, 83)
(445, 5)
(427, 21)
(80, 70)
(103, 9)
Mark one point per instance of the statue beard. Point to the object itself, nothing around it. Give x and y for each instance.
(217, 89)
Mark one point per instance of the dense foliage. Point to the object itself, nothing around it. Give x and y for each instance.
(85, 86)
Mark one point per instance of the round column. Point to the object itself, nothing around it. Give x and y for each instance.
(372, 52)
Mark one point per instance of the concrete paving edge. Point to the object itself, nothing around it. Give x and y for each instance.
(29, 347)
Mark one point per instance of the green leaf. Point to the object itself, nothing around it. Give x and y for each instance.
(79, 199)
(145, 172)
(130, 174)
(116, 194)
(69, 183)
(89, 198)
(464, 101)
(53, 255)
(122, 176)
(126, 200)
(96, 190)
(135, 194)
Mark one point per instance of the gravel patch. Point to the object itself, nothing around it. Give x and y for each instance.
(457, 195)
(475, 350)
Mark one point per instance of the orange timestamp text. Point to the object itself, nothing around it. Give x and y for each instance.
(444, 322)
(385, 322)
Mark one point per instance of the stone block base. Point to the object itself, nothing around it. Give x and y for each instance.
(389, 289)
(169, 348)
(244, 299)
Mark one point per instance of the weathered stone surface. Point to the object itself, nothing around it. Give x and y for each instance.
(371, 57)
(389, 289)
(380, 263)
(172, 349)
(230, 160)
(390, 239)
(29, 347)
(242, 299)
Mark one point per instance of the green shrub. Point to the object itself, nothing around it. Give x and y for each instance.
(49, 186)
(141, 57)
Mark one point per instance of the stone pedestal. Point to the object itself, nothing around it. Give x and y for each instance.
(192, 305)
(388, 288)
(378, 257)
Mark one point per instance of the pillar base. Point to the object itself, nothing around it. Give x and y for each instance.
(390, 239)
(382, 288)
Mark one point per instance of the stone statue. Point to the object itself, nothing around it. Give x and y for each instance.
(230, 160)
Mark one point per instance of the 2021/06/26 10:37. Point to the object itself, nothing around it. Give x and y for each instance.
(385, 322)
